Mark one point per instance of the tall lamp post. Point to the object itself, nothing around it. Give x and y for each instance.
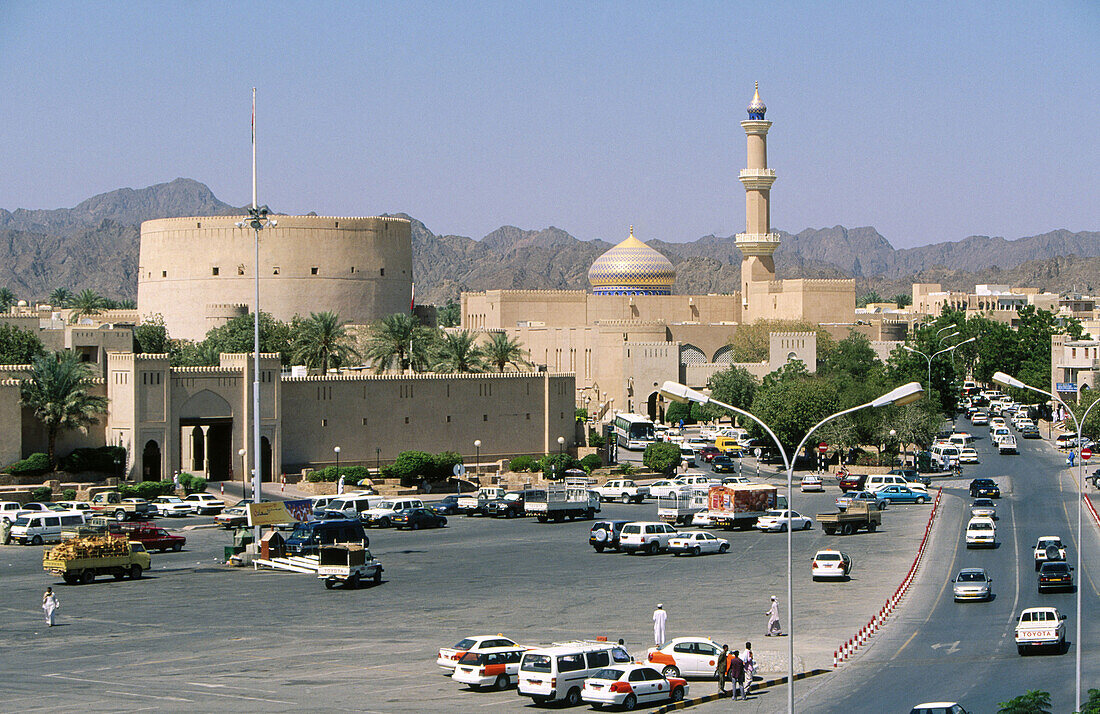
(477, 460)
(905, 394)
(934, 355)
(561, 444)
(1009, 381)
(336, 450)
(244, 473)
(257, 221)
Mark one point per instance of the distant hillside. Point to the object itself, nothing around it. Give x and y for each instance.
(95, 245)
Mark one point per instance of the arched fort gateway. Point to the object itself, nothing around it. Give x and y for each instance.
(197, 273)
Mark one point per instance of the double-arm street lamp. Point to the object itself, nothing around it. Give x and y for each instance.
(934, 355)
(1009, 381)
(905, 394)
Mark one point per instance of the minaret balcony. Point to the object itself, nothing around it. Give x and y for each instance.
(757, 243)
(757, 179)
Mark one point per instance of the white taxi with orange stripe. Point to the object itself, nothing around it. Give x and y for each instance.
(497, 667)
(686, 657)
(448, 657)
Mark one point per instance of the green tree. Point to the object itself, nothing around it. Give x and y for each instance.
(391, 339)
(236, 336)
(126, 304)
(458, 352)
(450, 315)
(867, 298)
(1092, 706)
(58, 389)
(852, 358)
(661, 456)
(677, 411)
(322, 340)
(749, 343)
(902, 299)
(19, 346)
(1035, 701)
(194, 354)
(501, 351)
(734, 386)
(151, 337)
(61, 297)
(555, 465)
(87, 302)
(791, 402)
(7, 299)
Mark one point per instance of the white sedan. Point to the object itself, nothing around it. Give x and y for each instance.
(777, 520)
(685, 657)
(968, 456)
(812, 482)
(448, 657)
(831, 563)
(664, 488)
(171, 506)
(628, 685)
(696, 543)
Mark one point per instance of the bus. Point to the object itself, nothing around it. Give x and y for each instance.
(633, 431)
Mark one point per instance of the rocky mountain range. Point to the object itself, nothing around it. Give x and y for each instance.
(95, 245)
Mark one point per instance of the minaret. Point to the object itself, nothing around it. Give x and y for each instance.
(757, 243)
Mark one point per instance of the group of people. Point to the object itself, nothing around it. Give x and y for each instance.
(735, 667)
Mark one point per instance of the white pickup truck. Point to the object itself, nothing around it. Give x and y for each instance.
(622, 489)
(475, 503)
(1040, 627)
(1048, 548)
(349, 564)
(572, 499)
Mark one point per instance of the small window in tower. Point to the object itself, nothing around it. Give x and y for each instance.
(448, 418)
(275, 270)
(214, 271)
(198, 224)
(240, 270)
(164, 273)
(364, 421)
(406, 420)
(324, 422)
(353, 268)
(313, 270)
(484, 417)
(382, 272)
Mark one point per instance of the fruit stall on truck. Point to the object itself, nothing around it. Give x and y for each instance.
(111, 503)
(679, 506)
(1040, 627)
(859, 515)
(739, 505)
(347, 563)
(569, 499)
(475, 503)
(80, 560)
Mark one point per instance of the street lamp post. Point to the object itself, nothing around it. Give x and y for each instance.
(561, 444)
(907, 348)
(905, 394)
(336, 450)
(244, 473)
(477, 460)
(1009, 381)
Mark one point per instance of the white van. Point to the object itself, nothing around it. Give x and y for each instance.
(37, 528)
(939, 451)
(874, 482)
(8, 509)
(352, 504)
(555, 673)
(687, 454)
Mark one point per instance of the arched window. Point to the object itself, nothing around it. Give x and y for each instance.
(690, 354)
(724, 355)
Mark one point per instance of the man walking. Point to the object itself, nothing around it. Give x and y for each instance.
(659, 619)
(773, 619)
(737, 674)
(49, 606)
(721, 671)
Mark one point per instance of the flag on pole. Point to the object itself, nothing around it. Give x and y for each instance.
(412, 298)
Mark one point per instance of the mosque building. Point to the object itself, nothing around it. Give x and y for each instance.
(631, 332)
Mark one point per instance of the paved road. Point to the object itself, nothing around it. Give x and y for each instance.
(965, 652)
(198, 636)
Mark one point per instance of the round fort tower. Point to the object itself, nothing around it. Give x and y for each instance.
(199, 272)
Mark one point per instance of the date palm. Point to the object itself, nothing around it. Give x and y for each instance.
(7, 298)
(322, 340)
(458, 352)
(61, 297)
(400, 339)
(502, 350)
(58, 390)
(87, 302)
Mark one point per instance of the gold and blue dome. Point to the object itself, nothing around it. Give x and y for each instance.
(632, 268)
(756, 106)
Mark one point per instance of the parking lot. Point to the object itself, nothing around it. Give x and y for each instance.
(239, 639)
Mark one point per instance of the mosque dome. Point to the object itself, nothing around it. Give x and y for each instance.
(756, 106)
(632, 268)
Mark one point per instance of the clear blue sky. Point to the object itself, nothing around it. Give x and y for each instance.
(929, 121)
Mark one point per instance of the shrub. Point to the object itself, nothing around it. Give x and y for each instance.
(595, 438)
(625, 469)
(34, 465)
(147, 489)
(581, 414)
(192, 484)
(443, 465)
(42, 493)
(68, 494)
(677, 411)
(410, 467)
(661, 456)
(522, 463)
(591, 462)
(555, 465)
(105, 459)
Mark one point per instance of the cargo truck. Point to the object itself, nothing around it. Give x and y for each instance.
(347, 563)
(680, 506)
(80, 560)
(739, 505)
(571, 499)
(111, 503)
(860, 515)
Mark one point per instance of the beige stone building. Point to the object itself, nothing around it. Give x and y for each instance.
(198, 273)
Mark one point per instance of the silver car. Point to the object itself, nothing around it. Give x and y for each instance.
(983, 508)
(973, 584)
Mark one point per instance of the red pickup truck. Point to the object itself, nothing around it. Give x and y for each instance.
(155, 538)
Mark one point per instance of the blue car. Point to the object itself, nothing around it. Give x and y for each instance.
(900, 494)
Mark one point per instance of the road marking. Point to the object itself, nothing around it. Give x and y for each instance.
(149, 696)
(952, 647)
(1016, 597)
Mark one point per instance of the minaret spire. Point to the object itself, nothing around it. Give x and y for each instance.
(758, 243)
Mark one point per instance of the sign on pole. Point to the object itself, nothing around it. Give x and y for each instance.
(1086, 453)
(823, 447)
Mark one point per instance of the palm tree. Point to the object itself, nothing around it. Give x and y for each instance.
(457, 352)
(126, 304)
(321, 340)
(87, 302)
(7, 298)
(58, 390)
(502, 350)
(399, 338)
(61, 297)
